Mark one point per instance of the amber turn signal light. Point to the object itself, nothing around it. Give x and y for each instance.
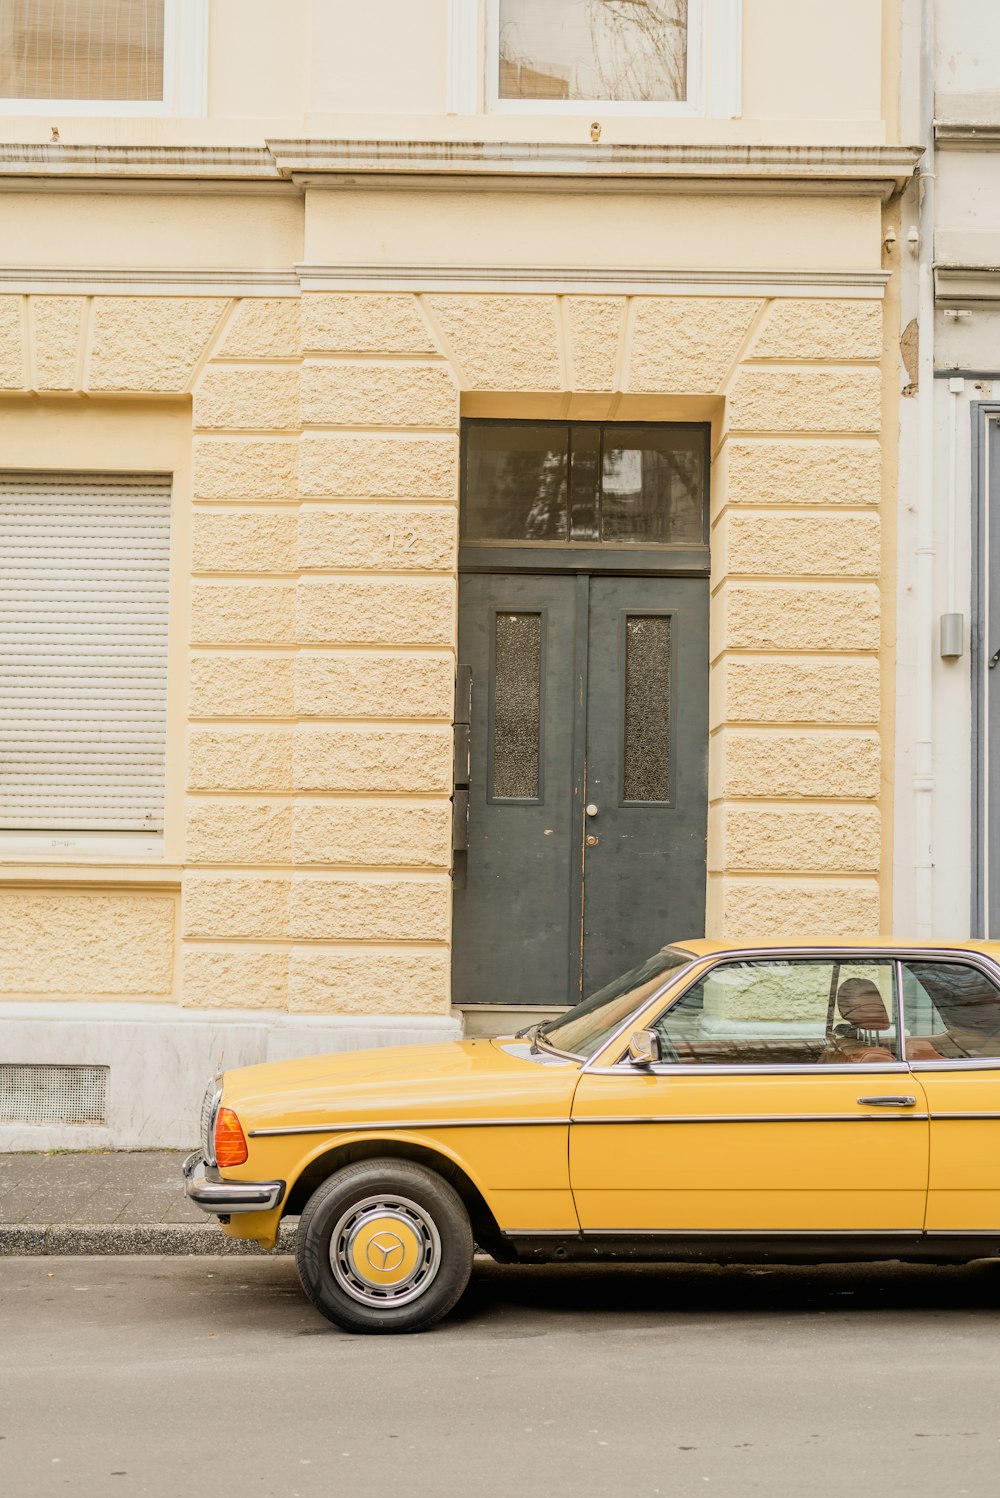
(230, 1145)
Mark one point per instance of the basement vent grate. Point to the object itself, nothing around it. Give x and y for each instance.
(52, 1094)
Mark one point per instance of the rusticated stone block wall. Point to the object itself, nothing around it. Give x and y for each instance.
(322, 631)
(323, 646)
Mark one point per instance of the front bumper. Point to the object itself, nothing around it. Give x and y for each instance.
(222, 1198)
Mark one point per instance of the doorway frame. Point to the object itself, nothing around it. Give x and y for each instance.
(585, 561)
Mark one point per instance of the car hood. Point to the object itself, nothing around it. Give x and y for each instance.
(416, 1083)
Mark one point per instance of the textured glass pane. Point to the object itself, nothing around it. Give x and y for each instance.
(516, 703)
(653, 485)
(647, 708)
(593, 49)
(516, 482)
(81, 49)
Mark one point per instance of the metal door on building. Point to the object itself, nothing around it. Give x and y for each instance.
(583, 643)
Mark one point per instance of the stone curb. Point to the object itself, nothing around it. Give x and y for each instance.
(169, 1238)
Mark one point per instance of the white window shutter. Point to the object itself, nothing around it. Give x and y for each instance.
(84, 584)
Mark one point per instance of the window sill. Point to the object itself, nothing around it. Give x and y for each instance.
(34, 872)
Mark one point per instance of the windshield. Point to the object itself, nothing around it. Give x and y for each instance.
(584, 1029)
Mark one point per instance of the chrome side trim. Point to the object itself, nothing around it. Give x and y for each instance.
(735, 1069)
(396, 1125)
(958, 1063)
(709, 1118)
(412, 1123)
(963, 1115)
(892, 1235)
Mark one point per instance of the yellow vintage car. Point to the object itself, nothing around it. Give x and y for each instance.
(731, 1103)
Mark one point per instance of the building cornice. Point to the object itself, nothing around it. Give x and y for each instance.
(550, 279)
(101, 280)
(964, 135)
(623, 280)
(966, 283)
(868, 170)
(229, 163)
(881, 170)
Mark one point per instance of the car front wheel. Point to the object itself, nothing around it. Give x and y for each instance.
(384, 1246)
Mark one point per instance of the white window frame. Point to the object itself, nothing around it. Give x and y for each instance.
(714, 67)
(185, 75)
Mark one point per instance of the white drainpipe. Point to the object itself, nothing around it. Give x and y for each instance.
(923, 779)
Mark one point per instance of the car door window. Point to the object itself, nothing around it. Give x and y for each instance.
(952, 1012)
(785, 1013)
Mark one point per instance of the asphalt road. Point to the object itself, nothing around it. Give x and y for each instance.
(121, 1377)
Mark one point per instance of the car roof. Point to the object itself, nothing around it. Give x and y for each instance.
(703, 946)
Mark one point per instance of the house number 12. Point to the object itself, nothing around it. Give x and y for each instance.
(402, 540)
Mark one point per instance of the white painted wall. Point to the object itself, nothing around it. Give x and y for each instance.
(161, 1058)
(967, 209)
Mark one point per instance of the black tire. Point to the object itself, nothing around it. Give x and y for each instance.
(371, 1211)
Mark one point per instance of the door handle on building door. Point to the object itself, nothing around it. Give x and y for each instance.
(994, 658)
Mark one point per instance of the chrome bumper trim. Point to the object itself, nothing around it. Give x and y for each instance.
(225, 1197)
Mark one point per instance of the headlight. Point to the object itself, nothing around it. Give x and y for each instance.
(209, 1112)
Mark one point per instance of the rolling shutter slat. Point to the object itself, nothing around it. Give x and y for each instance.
(84, 591)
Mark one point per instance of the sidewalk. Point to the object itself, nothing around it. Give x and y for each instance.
(107, 1202)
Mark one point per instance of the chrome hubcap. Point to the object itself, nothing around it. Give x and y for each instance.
(385, 1251)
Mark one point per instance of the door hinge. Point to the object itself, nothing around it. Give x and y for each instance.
(460, 821)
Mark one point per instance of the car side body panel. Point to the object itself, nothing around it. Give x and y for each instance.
(488, 1109)
(964, 1186)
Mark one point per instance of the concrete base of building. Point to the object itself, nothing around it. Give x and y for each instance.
(484, 1020)
(158, 1060)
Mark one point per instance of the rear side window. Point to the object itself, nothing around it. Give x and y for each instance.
(952, 1012)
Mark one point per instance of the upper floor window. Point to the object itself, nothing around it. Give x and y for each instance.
(615, 51)
(81, 49)
(102, 56)
(599, 57)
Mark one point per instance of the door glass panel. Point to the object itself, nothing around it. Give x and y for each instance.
(826, 1013)
(517, 680)
(653, 481)
(952, 1011)
(647, 708)
(516, 482)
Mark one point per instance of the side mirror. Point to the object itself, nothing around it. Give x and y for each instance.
(644, 1048)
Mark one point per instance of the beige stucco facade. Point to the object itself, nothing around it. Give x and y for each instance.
(295, 334)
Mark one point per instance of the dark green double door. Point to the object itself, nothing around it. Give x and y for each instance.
(588, 780)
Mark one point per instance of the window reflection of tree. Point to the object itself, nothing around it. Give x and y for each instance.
(637, 44)
(665, 504)
(637, 52)
(528, 496)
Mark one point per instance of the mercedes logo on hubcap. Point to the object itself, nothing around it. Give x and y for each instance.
(386, 1251)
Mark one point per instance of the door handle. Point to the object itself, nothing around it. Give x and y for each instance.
(888, 1102)
(591, 809)
(994, 658)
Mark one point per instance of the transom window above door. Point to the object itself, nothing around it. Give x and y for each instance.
(557, 482)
